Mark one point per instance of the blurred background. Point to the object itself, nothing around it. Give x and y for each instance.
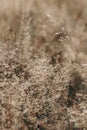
(71, 14)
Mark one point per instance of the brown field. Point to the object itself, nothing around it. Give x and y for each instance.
(43, 65)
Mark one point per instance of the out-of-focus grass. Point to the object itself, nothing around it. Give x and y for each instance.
(43, 65)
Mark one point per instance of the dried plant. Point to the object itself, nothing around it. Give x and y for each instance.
(43, 69)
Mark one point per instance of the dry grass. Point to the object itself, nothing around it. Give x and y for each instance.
(43, 65)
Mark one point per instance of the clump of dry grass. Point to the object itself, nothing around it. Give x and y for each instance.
(42, 71)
